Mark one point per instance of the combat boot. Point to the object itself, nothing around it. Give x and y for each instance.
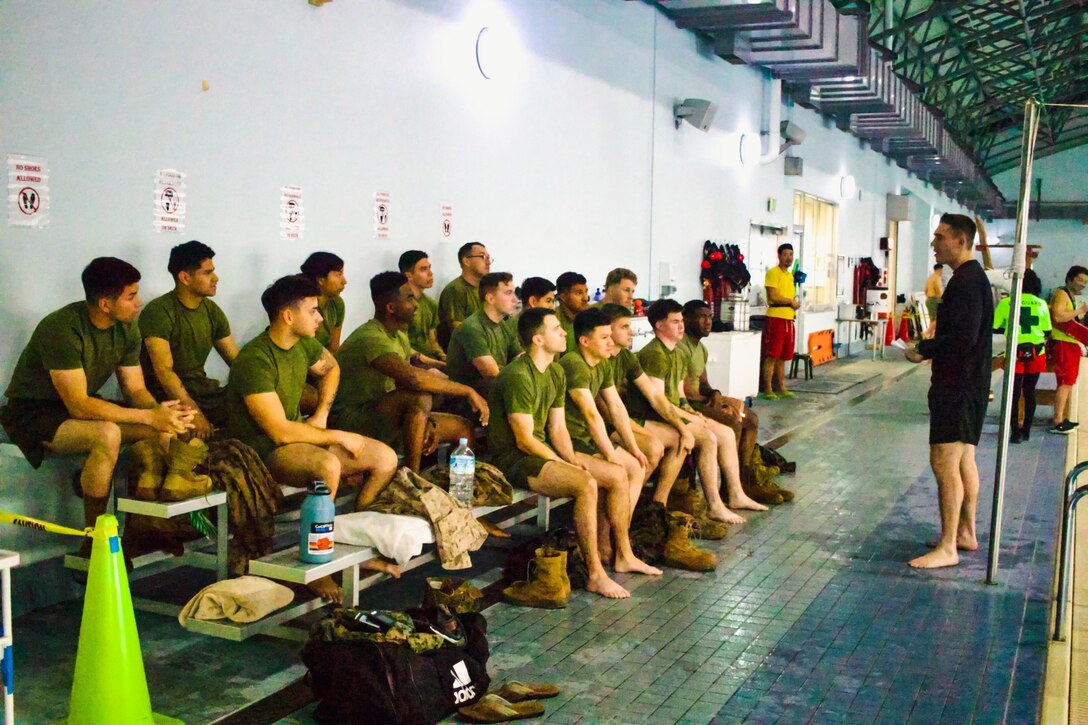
(180, 482)
(693, 502)
(548, 586)
(146, 463)
(680, 553)
(755, 487)
(767, 477)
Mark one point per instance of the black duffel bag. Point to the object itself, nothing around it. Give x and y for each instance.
(375, 683)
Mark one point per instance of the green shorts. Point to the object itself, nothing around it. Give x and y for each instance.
(367, 421)
(519, 468)
(30, 424)
(587, 447)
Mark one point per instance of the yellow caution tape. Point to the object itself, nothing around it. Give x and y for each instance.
(27, 522)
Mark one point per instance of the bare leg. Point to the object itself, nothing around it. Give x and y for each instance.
(377, 464)
(768, 373)
(451, 428)
(407, 411)
(672, 459)
(730, 465)
(706, 452)
(965, 536)
(101, 441)
(558, 479)
(1061, 403)
(780, 373)
(651, 447)
(613, 481)
(945, 460)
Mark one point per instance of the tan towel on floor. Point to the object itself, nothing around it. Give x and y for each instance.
(245, 599)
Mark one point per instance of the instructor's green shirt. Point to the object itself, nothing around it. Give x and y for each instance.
(659, 362)
(262, 366)
(626, 369)
(693, 356)
(522, 388)
(457, 302)
(580, 375)
(191, 334)
(68, 340)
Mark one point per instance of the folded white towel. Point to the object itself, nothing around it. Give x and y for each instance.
(395, 536)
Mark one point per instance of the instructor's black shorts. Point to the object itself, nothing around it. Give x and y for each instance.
(956, 415)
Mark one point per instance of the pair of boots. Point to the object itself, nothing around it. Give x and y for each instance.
(547, 586)
(758, 482)
(691, 500)
(680, 553)
(169, 477)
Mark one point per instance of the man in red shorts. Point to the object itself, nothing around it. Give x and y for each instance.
(1066, 349)
(778, 338)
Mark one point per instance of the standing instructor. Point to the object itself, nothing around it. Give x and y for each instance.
(961, 351)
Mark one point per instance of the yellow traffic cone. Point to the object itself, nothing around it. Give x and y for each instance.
(109, 685)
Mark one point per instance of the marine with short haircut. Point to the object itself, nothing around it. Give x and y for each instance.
(533, 292)
(481, 346)
(460, 298)
(179, 330)
(386, 386)
(715, 444)
(621, 473)
(619, 288)
(573, 296)
(779, 337)
(52, 405)
(264, 391)
(529, 437)
(423, 329)
(327, 271)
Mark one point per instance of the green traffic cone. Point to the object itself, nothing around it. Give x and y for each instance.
(109, 685)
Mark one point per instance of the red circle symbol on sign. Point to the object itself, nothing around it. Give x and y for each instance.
(446, 227)
(292, 211)
(29, 200)
(168, 200)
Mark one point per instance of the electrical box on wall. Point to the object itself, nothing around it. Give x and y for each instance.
(899, 208)
(885, 244)
(795, 166)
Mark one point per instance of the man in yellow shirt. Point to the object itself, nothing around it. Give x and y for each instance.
(778, 338)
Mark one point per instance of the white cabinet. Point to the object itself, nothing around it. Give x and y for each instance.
(732, 364)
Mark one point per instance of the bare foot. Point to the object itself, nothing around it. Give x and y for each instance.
(386, 567)
(962, 543)
(604, 586)
(635, 565)
(720, 512)
(743, 502)
(936, 559)
(327, 589)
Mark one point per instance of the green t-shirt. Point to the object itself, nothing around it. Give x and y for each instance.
(568, 326)
(423, 322)
(693, 356)
(522, 388)
(477, 337)
(191, 335)
(1034, 319)
(626, 369)
(361, 382)
(510, 328)
(580, 375)
(68, 340)
(457, 302)
(332, 316)
(262, 366)
(659, 362)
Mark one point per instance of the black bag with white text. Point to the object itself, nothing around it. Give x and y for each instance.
(378, 683)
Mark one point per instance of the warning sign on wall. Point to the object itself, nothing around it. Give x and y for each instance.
(28, 191)
(292, 214)
(169, 205)
(381, 214)
(447, 220)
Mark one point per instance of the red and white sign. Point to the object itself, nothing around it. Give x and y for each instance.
(381, 214)
(28, 191)
(292, 213)
(447, 220)
(170, 206)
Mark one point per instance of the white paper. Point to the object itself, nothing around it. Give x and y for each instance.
(28, 191)
(169, 206)
(898, 342)
(447, 220)
(292, 212)
(381, 214)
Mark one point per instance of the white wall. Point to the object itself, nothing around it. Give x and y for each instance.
(1064, 177)
(569, 161)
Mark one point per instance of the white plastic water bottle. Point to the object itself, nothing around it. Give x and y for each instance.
(463, 473)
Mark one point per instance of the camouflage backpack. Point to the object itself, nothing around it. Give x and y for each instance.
(491, 489)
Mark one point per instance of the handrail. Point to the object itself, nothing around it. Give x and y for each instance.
(1072, 497)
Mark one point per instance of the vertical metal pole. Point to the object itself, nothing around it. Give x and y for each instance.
(8, 658)
(1019, 256)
